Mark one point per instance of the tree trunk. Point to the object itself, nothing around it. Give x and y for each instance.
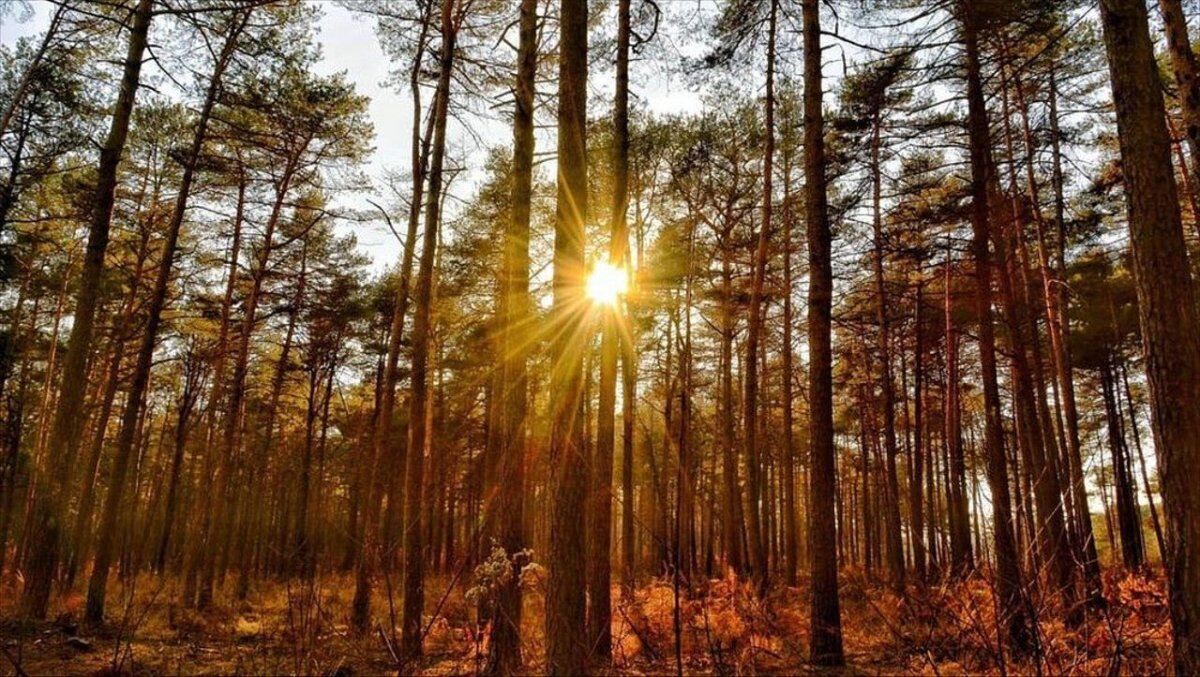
(68, 415)
(387, 448)
(754, 482)
(962, 560)
(1137, 441)
(418, 424)
(504, 656)
(1187, 78)
(18, 95)
(791, 539)
(891, 522)
(826, 630)
(731, 496)
(917, 468)
(566, 640)
(1009, 585)
(187, 403)
(141, 374)
(1166, 306)
(613, 322)
(1129, 520)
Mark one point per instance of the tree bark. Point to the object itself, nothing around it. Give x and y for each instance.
(504, 657)
(891, 522)
(1166, 306)
(754, 481)
(1187, 80)
(826, 644)
(418, 425)
(68, 418)
(613, 323)
(141, 375)
(566, 640)
(1013, 609)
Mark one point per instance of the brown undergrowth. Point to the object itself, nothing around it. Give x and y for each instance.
(724, 629)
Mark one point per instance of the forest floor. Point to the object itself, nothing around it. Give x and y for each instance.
(289, 629)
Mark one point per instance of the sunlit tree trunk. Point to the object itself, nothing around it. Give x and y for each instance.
(50, 507)
(141, 374)
(613, 323)
(418, 424)
(566, 639)
(505, 647)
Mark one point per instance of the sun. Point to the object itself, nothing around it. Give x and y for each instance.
(607, 283)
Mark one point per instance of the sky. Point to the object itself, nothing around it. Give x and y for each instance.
(350, 44)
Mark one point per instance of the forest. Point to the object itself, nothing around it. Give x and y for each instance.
(648, 337)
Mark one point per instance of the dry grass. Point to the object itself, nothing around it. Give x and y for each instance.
(292, 628)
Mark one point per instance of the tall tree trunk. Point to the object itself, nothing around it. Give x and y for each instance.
(826, 630)
(731, 496)
(613, 322)
(232, 464)
(1013, 610)
(187, 403)
(1085, 536)
(504, 656)
(891, 521)
(754, 482)
(193, 593)
(791, 539)
(50, 507)
(917, 468)
(1166, 306)
(418, 424)
(77, 548)
(1029, 386)
(387, 447)
(566, 640)
(141, 374)
(962, 560)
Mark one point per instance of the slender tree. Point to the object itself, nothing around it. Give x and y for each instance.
(566, 643)
(50, 508)
(826, 647)
(141, 374)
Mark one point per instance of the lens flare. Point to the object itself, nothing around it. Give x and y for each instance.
(607, 283)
